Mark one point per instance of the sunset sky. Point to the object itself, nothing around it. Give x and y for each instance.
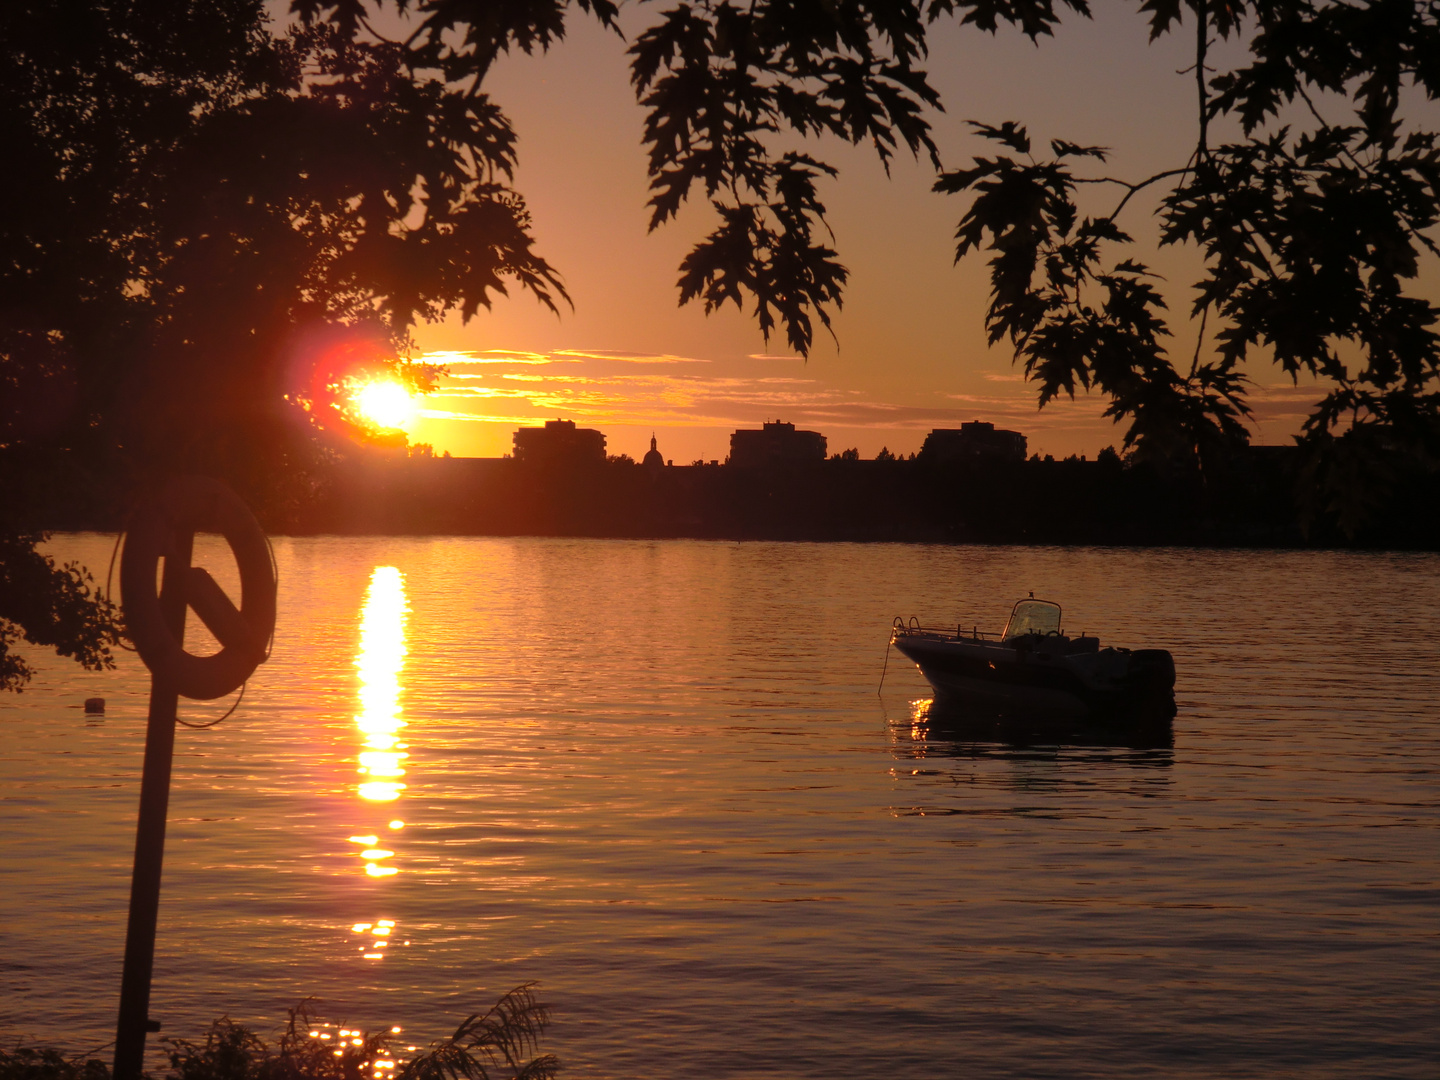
(912, 353)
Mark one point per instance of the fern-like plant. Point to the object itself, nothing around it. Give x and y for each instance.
(495, 1045)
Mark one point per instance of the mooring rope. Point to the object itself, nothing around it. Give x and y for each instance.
(228, 714)
(886, 668)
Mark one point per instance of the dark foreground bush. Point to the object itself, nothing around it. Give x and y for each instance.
(490, 1046)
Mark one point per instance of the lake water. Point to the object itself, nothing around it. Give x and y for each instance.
(657, 779)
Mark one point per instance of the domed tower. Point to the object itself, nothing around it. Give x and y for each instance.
(652, 461)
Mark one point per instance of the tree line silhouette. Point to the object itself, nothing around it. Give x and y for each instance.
(1245, 499)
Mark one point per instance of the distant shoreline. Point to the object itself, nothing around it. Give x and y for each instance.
(1069, 503)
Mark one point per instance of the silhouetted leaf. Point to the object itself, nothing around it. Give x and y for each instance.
(1035, 18)
(1060, 148)
(1010, 133)
(1163, 13)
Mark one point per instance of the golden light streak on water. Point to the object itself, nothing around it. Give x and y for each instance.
(379, 665)
(381, 659)
(380, 792)
(379, 763)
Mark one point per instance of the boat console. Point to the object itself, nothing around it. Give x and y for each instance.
(1033, 617)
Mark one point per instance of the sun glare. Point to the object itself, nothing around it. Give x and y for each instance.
(386, 404)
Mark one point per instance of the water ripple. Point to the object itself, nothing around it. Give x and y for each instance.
(657, 778)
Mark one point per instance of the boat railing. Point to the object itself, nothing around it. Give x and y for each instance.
(911, 627)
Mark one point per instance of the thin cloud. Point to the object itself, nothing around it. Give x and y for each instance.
(628, 357)
(582, 380)
(462, 393)
(636, 394)
(1285, 402)
(473, 358)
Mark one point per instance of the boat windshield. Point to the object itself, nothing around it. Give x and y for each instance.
(1033, 617)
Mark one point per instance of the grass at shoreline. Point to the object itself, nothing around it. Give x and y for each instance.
(500, 1044)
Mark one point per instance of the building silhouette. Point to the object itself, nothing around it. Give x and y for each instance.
(653, 462)
(973, 441)
(775, 444)
(558, 443)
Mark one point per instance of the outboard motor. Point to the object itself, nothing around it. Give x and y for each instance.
(1152, 668)
(1152, 681)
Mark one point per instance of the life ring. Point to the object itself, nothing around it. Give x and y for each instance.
(185, 506)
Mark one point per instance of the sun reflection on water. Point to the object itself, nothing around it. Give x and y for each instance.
(382, 656)
(380, 762)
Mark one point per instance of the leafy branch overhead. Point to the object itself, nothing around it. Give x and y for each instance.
(768, 251)
(1074, 319)
(1312, 236)
(722, 83)
(727, 88)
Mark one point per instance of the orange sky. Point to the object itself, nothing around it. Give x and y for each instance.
(912, 353)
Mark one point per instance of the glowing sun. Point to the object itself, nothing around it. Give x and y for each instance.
(385, 404)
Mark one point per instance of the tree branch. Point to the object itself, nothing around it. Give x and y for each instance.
(1201, 44)
(1130, 188)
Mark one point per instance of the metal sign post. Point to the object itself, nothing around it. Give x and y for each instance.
(164, 528)
(134, 1021)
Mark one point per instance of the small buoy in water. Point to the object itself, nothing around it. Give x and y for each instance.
(95, 706)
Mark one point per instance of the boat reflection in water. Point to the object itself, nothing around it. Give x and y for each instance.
(945, 723)
(952, 761)
(382, 754)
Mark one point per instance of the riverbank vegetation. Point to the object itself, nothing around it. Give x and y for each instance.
(500, 1044)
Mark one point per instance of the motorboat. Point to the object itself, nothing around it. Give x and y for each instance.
(1034, 667)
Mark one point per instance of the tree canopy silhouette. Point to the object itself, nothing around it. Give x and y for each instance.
(1312, 228)
(214, 220)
